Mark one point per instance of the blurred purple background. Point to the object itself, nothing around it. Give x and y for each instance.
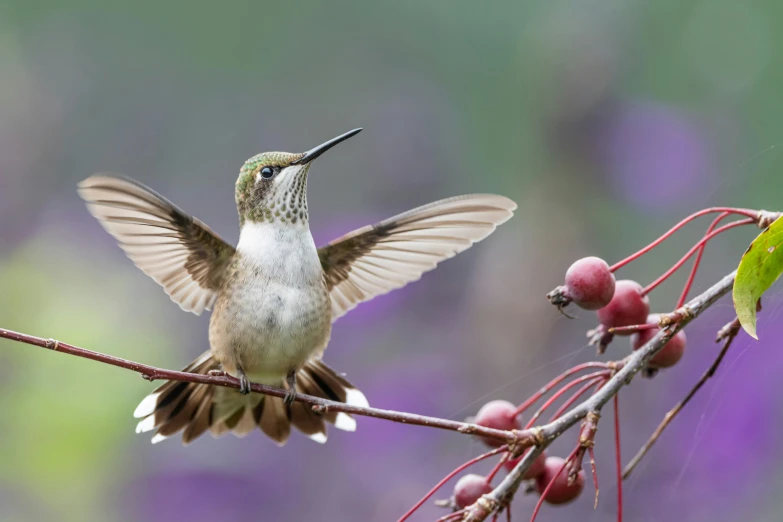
(606, 122)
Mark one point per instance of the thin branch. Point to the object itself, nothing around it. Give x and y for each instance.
(575, 397)
(491, 475)
(697, 262)
(591, 452)
(618, 459)
(739, 211)
(591, 377)
(702, 242)
(544, 493)
(537, 437)
(448, 477)
(151, 373)
(633, 364)
(557, 380)
(730, 331)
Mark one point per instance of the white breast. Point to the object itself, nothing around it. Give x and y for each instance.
(279, 317)
(285, 252)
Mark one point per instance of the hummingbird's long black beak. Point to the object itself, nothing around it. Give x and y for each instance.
(311, 154)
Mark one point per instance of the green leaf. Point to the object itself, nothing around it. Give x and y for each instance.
(760, 266)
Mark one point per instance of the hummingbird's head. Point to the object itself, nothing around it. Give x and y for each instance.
(272, 186)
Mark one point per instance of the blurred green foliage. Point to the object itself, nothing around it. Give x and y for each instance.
(606, 121)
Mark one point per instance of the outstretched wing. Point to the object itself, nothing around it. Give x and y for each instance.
(178, 251)
(388, 255)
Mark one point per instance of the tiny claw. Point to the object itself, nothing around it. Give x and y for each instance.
(216, 373)
(244, 384)
(290, 397)
(290, 394)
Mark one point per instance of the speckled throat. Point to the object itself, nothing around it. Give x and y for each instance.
(279, 199)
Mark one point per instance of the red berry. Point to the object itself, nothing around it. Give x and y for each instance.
(560, 492)
(627, 307)
(671, 353)
(589, 283)
(469, 489)
(500, 415)
(535, 470)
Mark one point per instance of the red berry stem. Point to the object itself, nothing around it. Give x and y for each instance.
(498, 466)
(695, 268)
(618, 460)
(448, 477)
(631, 328)
(587, 433)
(605, 374)
(594, 471)
(737, 211)
(557, 380)
(693, 249)
(551, 482)
(575, 397)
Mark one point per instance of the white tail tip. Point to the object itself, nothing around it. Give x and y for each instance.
(345, 422)
(320, 438)
(356, 398)
(158, 437)
(146, 425)
(146, 406)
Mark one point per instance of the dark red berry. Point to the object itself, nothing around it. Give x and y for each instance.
(469, 489)
(500, 415)
(627, 307)
(560, 492)
(671, 353)
(535, 470)
(589, 283)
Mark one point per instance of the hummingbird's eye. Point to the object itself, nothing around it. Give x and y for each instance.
(267, 172)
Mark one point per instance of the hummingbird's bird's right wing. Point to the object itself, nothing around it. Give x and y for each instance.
(178, 251)
(388, 255)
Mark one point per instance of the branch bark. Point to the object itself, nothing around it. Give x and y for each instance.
(727, 334)
(152, 373)
(504, 492)
(538, 437)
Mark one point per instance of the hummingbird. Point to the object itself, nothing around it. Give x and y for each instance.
(275, 295)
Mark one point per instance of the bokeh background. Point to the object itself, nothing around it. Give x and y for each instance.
(607, 122)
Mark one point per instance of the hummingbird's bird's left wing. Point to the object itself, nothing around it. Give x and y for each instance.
(178, 251)
(379, 258)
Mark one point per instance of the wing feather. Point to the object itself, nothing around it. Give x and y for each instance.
(178, 251)
(379, 258)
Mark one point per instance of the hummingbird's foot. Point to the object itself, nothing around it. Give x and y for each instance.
(244, 382)
(216, 373)
(290, 394)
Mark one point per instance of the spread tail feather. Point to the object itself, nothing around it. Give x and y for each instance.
(195, 408)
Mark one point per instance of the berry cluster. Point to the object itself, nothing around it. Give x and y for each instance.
(623, 309)
(546, 474)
